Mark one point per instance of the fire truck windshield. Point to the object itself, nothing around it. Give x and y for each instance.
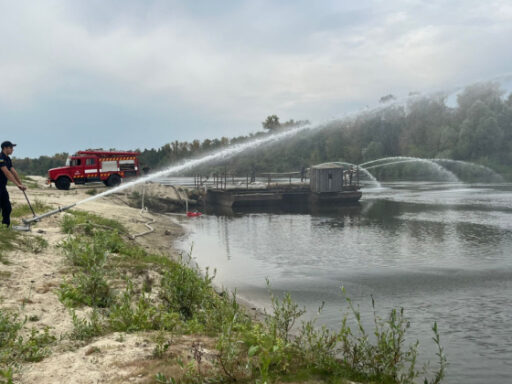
(73, 162)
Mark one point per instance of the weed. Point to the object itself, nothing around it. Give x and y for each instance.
(29, 182)
(89, 288)
(130, 314)
(15, 348)
(184, 291)
(7, 242)
(9, 328)
(443, 362)
(86, 223)
(84, 329)
(161, 346)
(161, 379)
(285, 313)
(316, 347)
(147, 284)
(233, 356)
(190, 374)
(92, 191)
(387, 358)
(35, 349)
(34, 244)
(20, 210)
(82, 253)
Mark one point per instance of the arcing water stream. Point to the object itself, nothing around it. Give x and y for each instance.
(482, 168)
(440, 166)
(450, 176)
(189, 164)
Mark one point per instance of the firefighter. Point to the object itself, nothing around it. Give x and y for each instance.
(7, 173)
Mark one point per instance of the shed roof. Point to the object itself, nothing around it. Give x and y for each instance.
(327, 166)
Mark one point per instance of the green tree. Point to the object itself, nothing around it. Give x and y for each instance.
(271, 123)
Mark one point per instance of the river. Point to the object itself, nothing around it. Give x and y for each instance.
(441, 251)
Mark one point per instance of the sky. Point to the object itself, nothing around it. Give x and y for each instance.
(133, 74)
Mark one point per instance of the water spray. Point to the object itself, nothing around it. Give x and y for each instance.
(435, 162)
(407, 159)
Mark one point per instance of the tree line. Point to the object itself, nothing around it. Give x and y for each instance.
(478, 129)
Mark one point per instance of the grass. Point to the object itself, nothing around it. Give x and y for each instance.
(16, 347)
(29, 182)
(85, 223)
(33, 244)
(20, 210)
(7, 242)
(106, 278)
(11, 240)
(85, 329)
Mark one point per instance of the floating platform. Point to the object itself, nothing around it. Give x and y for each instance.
(279, 196)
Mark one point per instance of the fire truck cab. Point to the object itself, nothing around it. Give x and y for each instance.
(94, 166)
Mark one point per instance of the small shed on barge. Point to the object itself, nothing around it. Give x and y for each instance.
(327, 177)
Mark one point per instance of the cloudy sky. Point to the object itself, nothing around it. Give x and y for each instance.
(137, 74)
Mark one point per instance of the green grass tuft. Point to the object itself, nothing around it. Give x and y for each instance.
(20, 210)
(85, 223)
(16, 348)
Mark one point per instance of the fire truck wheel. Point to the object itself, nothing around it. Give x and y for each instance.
(63, 183)
(113, 180)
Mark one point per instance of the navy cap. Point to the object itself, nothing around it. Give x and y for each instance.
(7, 144)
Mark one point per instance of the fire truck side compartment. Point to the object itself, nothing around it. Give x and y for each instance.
(109, 166)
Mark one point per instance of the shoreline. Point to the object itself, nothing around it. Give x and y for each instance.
(251, 307)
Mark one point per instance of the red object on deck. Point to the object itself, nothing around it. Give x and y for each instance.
(194, 214)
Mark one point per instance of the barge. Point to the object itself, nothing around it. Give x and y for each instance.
(329, 184)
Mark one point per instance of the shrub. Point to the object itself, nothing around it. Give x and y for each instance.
(130, 314)
(184, 291)
(84, 329)
(15, 348)
(89, 288)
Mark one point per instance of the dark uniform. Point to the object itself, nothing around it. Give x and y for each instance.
(5, 204)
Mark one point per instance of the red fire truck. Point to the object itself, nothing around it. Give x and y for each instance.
(93, 166)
